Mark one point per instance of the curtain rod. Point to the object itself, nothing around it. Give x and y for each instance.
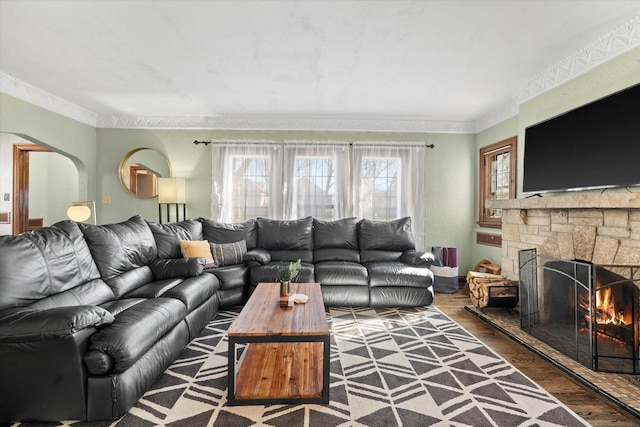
(206, 143)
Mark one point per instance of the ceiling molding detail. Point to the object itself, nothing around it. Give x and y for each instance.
(613, 43)
(25, 92)
(498, 115)
(285, 123)
(610, 45)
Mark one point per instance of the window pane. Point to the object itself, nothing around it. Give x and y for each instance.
(379, 188)
(249, 187)
(498, 179)
(314, 190)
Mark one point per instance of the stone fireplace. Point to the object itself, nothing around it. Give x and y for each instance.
(599, 228)
(589, 312)
(586, 251)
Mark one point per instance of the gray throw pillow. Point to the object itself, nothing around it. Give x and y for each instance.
(228, 253)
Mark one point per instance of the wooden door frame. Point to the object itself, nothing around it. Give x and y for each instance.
(20, 216)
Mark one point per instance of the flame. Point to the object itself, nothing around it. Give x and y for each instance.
(605, 309)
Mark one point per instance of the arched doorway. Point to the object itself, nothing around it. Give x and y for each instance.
(37, 184)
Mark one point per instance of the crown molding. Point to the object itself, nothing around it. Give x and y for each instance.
(613, 43)
(33, 95)
(284, 123)
(498, 115)
(617, 41)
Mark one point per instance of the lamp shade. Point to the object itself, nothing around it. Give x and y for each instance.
(171, 190)
(79, 213)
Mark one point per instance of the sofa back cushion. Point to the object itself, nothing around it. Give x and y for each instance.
(335, 240)
(385, 240)
(287, 240)
(292, 235)
(121, 248)
(220, 232)
(46, 262)
(168, 236)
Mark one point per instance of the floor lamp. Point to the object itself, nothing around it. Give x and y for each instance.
(172, 191)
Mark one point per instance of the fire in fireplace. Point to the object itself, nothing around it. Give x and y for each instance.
(589, 312)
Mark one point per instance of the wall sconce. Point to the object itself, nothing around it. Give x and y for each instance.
(172, 191)
(82, 211)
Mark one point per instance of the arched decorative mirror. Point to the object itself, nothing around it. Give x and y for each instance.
(140, 169)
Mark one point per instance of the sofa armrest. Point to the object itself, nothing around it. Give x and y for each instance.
(170, 268)
(54, 323)
(257, 256)
(417, 258)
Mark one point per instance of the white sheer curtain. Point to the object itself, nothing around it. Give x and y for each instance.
(247, 181)
(326, 180)
(388, 183)
(316, 180)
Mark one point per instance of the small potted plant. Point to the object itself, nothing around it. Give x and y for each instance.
(286, 275)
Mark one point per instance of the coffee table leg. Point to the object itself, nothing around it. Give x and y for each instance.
(231, 372)
(326, 362)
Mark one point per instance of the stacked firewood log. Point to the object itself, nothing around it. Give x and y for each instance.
(492, 290)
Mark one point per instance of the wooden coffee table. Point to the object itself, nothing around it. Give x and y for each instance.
(287, 356)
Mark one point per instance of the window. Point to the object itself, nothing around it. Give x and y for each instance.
(249, 187)
(325, 180)
(316, 180)
(314, 187)
(380, 188)
(388, 183)
(244, 185)
(497, 179)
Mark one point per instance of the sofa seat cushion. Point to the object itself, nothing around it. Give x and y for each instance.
(130, 280)
(136, 330)
(231, 276)
(382, 296)
(398, 274)
(336, 254)
(329, 273)
(269, 273)
(51, 324)
(154, 289)
(291, 255)
(194, 291)
(118, 306)
(94, 292)
(345, 296)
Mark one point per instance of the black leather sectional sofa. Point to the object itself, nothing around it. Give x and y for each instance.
(90, 316)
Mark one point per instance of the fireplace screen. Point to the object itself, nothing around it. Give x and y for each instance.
(586, 311)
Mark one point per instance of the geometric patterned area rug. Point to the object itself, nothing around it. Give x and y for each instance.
(389, 367)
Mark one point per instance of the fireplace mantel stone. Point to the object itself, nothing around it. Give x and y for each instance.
(602, 228)
(586, 201)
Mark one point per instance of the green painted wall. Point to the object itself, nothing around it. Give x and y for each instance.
(66, 136)
(612, 76)
(449, 170)
(489, 136)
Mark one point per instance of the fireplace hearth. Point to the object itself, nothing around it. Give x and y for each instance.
(588, 312)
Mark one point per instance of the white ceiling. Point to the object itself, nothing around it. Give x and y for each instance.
(382, 65)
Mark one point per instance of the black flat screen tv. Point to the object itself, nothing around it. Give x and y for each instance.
(593, 146)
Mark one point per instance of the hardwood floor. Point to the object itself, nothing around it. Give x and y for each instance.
(595, 409)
